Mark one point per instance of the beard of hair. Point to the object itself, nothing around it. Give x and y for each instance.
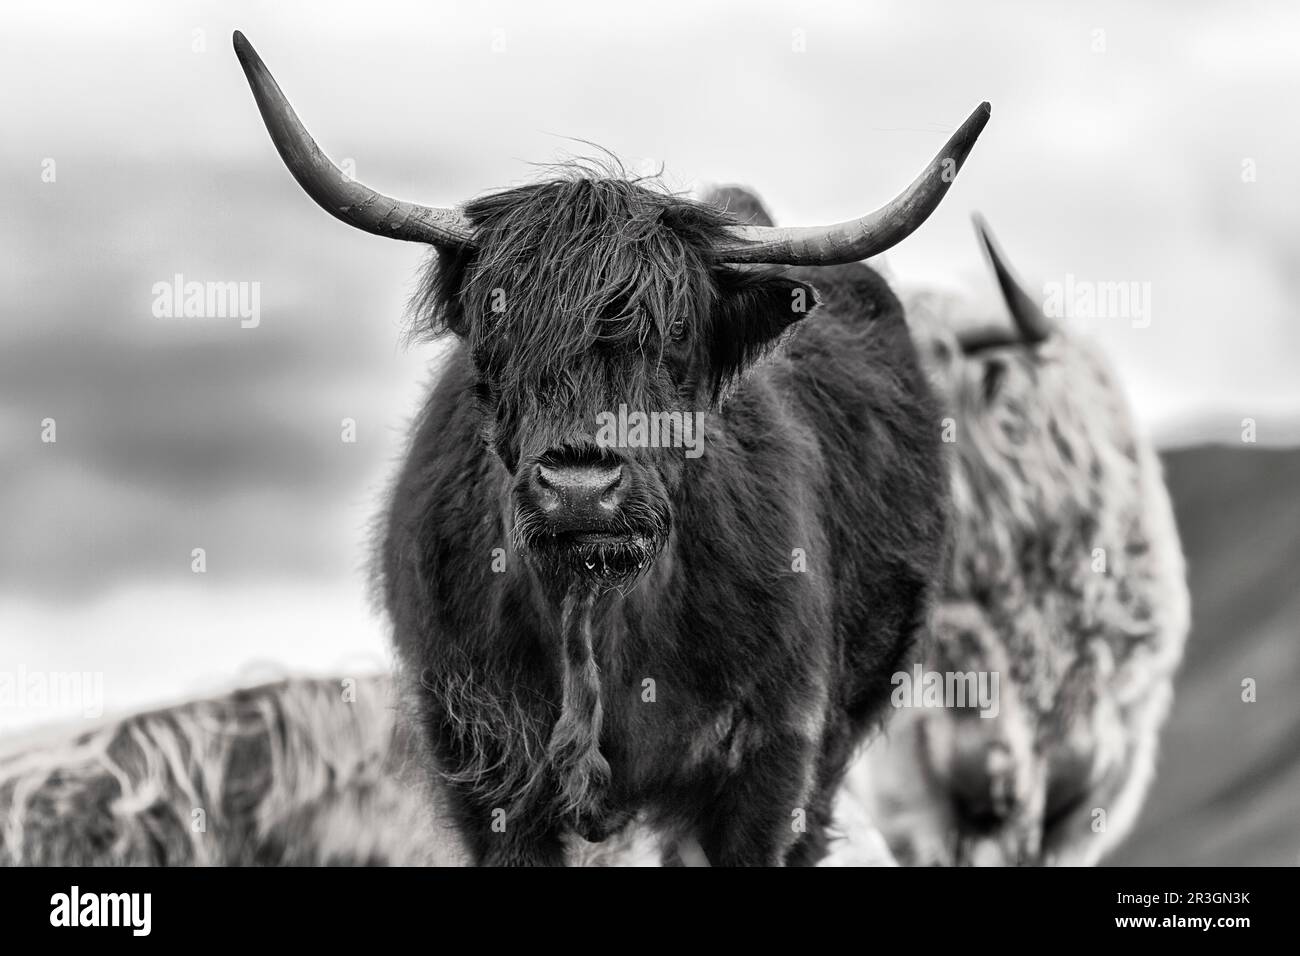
(575, 776)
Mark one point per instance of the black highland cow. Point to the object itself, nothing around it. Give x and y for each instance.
(593, 633)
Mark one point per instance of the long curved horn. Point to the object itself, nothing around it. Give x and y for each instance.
(869, 235)
(1032, 326)
(338, 195)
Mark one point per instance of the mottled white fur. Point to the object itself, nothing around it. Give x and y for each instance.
(304, 772)
(1050, 480)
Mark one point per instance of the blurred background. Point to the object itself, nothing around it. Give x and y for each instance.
(1130, 142)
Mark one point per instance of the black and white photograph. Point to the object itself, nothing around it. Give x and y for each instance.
(681, 434)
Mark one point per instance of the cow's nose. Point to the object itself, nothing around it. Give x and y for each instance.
(579, 497)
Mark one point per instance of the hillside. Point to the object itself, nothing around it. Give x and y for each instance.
(1228, 784)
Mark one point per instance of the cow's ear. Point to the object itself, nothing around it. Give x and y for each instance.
(437, 305)
(753, 310)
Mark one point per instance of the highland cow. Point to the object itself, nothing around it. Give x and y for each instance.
(1066, 582)
(596, 634)
(297, 773)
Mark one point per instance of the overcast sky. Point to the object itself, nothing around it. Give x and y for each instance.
(1129, 142)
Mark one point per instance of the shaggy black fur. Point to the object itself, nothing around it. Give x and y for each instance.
(721, 688)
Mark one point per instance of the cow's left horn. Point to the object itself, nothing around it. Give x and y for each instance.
(356, 204)
(871, 234)
(1032, 326)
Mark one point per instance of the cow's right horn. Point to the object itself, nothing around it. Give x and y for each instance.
(1031, 325)
(868, 235)
(345, 198)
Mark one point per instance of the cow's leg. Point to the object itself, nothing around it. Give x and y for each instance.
(536, 851)
(500, 821)
(838, 745)
(493, 838)
(814, 841)
(484, 738)
(762, 807)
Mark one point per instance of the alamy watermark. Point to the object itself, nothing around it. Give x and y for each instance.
(53, 690)
(179, 299)
(133, 911)
(1086, 299)
(946, 689)
(626, 429)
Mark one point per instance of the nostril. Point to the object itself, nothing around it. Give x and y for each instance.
(614, 482)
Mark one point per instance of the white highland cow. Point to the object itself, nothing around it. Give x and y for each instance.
(1066, 598)
(301, 772)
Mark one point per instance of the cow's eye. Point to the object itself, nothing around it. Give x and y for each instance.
(677, 329)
